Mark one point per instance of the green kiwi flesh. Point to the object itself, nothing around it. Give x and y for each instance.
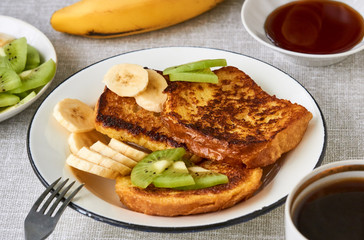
(174, 177)
(4, 62)
(16, 54)
(33, 58)
(205, 179)
(7, 99)
(22, 101)
(205, 75)
(8, 79)
(146, 170)
(198, 65)
(36, 77)
(22, 75)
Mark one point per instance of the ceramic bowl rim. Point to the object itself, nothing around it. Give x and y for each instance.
(351, 51)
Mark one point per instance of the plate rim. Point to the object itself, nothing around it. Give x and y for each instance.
(199, 228)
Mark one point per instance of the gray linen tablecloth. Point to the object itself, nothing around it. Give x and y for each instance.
(338, 90)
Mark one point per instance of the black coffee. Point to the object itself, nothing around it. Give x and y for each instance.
(333, 212)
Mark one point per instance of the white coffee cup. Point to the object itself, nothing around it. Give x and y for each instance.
(321, 177)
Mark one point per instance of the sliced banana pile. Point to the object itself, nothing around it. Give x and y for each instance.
(92, 151)
(132, 80)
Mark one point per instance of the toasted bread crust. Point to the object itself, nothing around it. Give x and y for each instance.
(234, 120)
(242, 184)
(123, 119)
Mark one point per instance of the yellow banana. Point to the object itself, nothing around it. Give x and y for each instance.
(115, 18)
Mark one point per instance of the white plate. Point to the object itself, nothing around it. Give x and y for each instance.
(47, 142)
(17, 28)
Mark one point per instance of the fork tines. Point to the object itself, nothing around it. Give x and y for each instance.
(40, 223)
(54, 194)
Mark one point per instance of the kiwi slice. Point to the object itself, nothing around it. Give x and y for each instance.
(176, 175)
(8, 79)
(4, 62)
(204, 178)
(205, 75)
(22, 101)
(198, 65)
(153, 164)
(23, 94)
(16, 54)
(7, 99)
(36, 77)
(33, 58)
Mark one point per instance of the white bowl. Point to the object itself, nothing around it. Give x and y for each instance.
(37, 39)
(254, 14)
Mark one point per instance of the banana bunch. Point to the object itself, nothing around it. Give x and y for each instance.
(115, 18)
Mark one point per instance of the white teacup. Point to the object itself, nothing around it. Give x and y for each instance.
(330, 175)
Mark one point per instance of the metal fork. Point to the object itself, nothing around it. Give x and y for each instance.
(39, 224)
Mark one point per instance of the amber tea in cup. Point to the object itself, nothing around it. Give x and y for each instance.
(315, 27)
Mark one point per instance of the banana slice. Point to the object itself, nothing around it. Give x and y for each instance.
(5, 39)
(153, 98)
(75, 115)
(107, 151)
(127, 150)
(90, 167)
(78, 140)
(198, 169)
(126, 80)
(97, 158)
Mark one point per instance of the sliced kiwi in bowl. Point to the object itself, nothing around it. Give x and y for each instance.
(7, 99)
(15, 54)
(9, 80)
(33, 58)
(24, 58)
(23, 99)
(36, 77)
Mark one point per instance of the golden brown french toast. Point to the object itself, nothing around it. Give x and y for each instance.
(123, 119)
(243, 183)
(233, 121)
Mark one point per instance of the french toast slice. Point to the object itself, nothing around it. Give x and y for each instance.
(233, 121)
(123, 119)
(243, 183)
